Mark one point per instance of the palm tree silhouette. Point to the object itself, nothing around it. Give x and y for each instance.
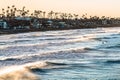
(70, 16)
(44, 13)
(56, 15)
(3, 13)
(31, 15)
(8, 12)
(76, 16)
(40, 14)
(50, 14)
(36, 13)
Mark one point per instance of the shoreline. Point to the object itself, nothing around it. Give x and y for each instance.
(12, 23)
(5, 32)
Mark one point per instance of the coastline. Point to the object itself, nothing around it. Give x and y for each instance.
(2, 32)
(12, 23)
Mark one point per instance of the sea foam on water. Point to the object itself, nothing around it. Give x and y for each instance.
(17, 73)
(24, 72)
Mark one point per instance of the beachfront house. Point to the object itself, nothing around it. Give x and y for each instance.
(3, 24)
(36, 24)
(61, 24)
(49, 22)
(19, 23)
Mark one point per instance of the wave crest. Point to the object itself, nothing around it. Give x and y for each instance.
(17, 73)
(26, 71)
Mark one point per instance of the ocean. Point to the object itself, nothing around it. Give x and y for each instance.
(79, 54)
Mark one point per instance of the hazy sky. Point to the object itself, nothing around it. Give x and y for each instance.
(92, 7)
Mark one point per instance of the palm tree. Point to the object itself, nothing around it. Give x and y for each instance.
(90, 17)
(23, 8)
(0, 15)
(65, 15)
(3, 13)
(3, 9)
(83, 16)
(76, 16)
(62, 15)
(23, 12)
(31, 15)
(13, 6)
(44, 14)
(11, 12)
(19, 12)
(56, 15)
(70, 16)
(7, 13)
(50, 14)
(36, 13)
(27, 12)
(103, 17)
(39, 12)
(15, 10)
(8, 7)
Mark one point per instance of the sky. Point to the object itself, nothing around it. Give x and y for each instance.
(108, 8)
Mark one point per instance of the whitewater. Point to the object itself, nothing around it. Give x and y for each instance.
(79, 54)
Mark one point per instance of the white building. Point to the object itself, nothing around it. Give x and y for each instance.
(3, 24)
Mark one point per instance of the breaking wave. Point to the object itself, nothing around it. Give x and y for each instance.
(63, 53)
(10, 59)
(26, 71)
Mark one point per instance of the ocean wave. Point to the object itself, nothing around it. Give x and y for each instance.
(111, 30)
(41, 42)
(26, 71)
(113, 61)
(64, 53)
(110, 45)
(114, 46)
(11, 59)
(17, 73)
(18, 41)
(49, 55)
(44, 65)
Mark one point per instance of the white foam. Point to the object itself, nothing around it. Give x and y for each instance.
(112, 30)
(17, 73)
(21, 72)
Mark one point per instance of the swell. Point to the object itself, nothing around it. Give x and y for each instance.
(106, 36)
(41, 42)
(11, 59)
(114, 46)
(113, 61)
(27, 71)
(49, 55)
(35, 69)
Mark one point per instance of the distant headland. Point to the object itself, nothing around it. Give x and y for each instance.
(14, 20)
